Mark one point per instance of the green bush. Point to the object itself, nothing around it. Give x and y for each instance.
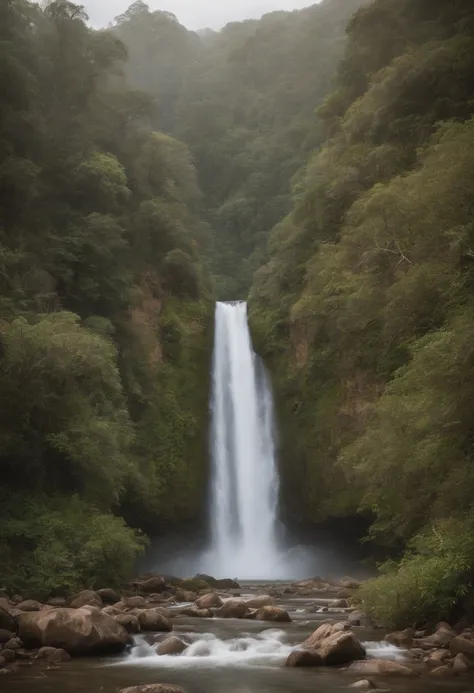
(430, 583)
(60, 545)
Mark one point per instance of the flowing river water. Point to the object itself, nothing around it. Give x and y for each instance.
(226, 656)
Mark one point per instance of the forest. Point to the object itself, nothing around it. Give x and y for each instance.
(319, 162)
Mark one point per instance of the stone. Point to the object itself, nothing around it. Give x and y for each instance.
(304, 658)
(5, 636)
(8, 655)
(233, 608)
(153, 620)
(443, 672)
(111, 610)
(461, 664)
(223, 584)
(57, 601)
(437, 658)
(349, 583)
(341, 648)
(260, 601)
(462, 645)
(382, 667)
(153, 584)
(363, 685)
(7, 622)
(324, 631)
(171, 646)
(3, 662)
(193, 612)
(401, 638)
(81, 631)
(154, 688)
(128, 621)
(440, 638)
(86, 598)
(108, 596)
(272, 613)
(135, 602)
(14, 644)
(207, 601)
(185, 596)
(339, 604)
(359, 618)
(30, 605)
(52, 654)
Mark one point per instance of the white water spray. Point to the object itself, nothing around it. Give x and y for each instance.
(244, 476)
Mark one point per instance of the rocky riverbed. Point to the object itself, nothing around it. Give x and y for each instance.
(215, 636)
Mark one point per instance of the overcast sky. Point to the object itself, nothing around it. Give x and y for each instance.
(195, 14)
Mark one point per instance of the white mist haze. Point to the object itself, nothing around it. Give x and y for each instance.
(195, 14)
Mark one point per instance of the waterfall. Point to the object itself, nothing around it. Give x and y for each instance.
(244, 476)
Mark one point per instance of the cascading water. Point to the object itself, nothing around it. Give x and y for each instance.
(244, 475)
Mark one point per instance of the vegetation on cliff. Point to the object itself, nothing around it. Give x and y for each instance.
(364, 310)
(105, 309)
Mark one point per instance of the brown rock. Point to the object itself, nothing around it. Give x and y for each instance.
(304, 658)
(233, 608)
(260, 601)
(358, 618)
(128, 621)
(53, 654)
(154, 688)
(442, 672)
(437, 658)
(5, 636)
(56, 601)
(86, 598)
(461, 664)
(382, 667)
(78, 631)
(462, 645)
(3, 662)
(7, 622)
(30, 605)
(185, 596)
(171, 646)
(135, 602)
(324, 631)
(272, 613)
(207, 601)
(153, 584)
(193, 612)
(153, 620)
(341, 648)
(108, 596)
(14, 644)
(401, 638)
(8, 655)
(111, 611)
(363, 685)
(440, 638)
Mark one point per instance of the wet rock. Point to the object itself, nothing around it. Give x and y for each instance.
(443, 672)
(339, 604)
(461, 664)
(233, 608)
(153, 584)
(30, 605)
(185, 596)
(14, 644)
(341, 648)
(260, 601)
(128, 621)
(363, 685)
(151, 619)
(437, 658)
(53, 654)
(56, 601)
(108, 596)
(3, 662)
(7, 622)
(382, 667)
(86, 598)
(272, 613)
(359, 618)
(79, 631)
(154, 688)
(304, 658)
(8, 655)
(462, 645)
(171, 646)
(111, 611)
(207, 601)
(193, 612)
(224, 584)
(440, 638)
(401, 638)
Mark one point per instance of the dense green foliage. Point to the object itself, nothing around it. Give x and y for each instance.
(105, 309)
(365, 308)
(243, 100)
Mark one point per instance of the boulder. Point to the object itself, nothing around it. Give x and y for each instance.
(111, 611)
(272, 613)
(57, 601)
(443, 672)
(154, 688)
(86, 598)
(260, 601)
(5, 636)
(401, 638)
(359, 618)
(380, 667)
(128, 621)
(339, 604)
(80, 631)
(223, 584)
(3, 662)
(193, 612)
(363, 685)
(14, 644)
(462, 645)
(108, 596)
(185, 596)
(30, 605)
(207, 601)
(53, 654)
(461, 664)
(8, 655)
(171, 646)
(7, 622)
(135, 603)
(341, 648)
(153, 584)
(233, 608)
(437, 658)
(324, 631)
(304, 658)
(440, 638)
(153, 620)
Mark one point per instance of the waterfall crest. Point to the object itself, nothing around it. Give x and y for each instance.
(244, 492)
